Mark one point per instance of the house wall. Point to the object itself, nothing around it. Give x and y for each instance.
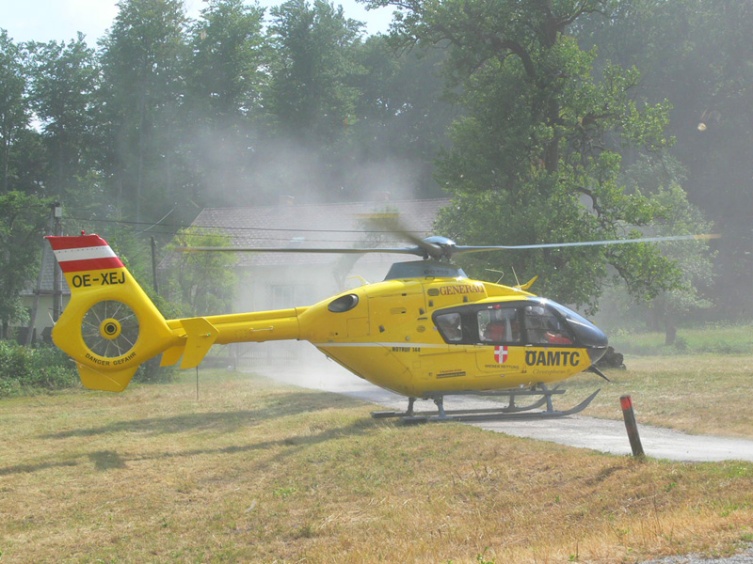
(43, 322)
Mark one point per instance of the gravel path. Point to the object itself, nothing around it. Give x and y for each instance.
(745, 557)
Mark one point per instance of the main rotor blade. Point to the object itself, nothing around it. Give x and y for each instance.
(481, 248)
(426, 247)
(344, 250)
(440, 247)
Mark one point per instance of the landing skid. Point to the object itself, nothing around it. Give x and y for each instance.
(506, 413)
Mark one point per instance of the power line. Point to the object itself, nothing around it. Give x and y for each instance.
(172, 229)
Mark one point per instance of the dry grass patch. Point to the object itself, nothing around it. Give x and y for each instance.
(255, 472)
(704, 394)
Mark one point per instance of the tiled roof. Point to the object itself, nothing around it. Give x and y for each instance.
(346, 225)
(45, 281)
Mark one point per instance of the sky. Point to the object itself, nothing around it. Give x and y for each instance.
(60, 20)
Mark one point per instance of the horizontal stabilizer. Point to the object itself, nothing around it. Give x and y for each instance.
(171, 356)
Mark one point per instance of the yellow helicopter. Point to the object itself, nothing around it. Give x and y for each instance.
(427, 331)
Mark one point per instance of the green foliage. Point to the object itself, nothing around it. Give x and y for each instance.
(22, 221)
(553, 120)
(205, 282)
(401, 118)
(14, 111)
(673, 215)
(539, 155)
(152, 373)
(311, 96)
(63, 80)
(226, 77)
(143, 69)
(26, 370)
(696, 54)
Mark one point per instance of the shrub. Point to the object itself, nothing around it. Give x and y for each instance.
(27, 370)
(152, 373)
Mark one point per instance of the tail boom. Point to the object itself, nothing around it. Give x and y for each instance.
(197, 334)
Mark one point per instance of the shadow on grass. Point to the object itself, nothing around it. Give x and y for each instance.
(30, 468)
(290, 405)
(224, 421)
(105, 460)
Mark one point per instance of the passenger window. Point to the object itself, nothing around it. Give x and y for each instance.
(499, 325)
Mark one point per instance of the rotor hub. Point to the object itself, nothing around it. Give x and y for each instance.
(438, 247)
(110, 329)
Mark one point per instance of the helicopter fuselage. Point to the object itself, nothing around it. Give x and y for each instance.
(391, 334)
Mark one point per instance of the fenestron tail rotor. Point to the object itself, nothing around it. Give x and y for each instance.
(110, 329)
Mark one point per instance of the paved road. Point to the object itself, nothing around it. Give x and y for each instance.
(577, 430)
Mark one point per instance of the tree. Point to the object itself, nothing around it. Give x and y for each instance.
(22, 222)
(226, 78)
(537, 157)
(401, 118)
(143, 65)
(663, 179)
(205, 281)
(228, 55)
(14, 110)
(63, 83)
(311, 100)
(698, 55)
(310, 92)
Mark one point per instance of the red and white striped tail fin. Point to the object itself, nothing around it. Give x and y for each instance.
(83, 253)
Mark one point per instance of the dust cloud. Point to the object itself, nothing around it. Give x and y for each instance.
(239, 172)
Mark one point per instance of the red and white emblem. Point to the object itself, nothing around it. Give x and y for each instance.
(500, 354)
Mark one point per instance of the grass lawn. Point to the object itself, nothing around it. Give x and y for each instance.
(254, 471)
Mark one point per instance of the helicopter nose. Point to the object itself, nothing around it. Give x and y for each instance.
(586, 333)
(595, 353)
(591, 337)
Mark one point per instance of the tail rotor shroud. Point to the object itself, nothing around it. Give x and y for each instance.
(109, 326)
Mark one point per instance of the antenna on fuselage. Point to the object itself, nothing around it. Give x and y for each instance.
(500, 272)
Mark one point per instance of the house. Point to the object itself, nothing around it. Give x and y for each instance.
(282, 280)
(39, 300)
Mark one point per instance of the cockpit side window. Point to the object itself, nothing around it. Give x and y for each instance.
(544, 327)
